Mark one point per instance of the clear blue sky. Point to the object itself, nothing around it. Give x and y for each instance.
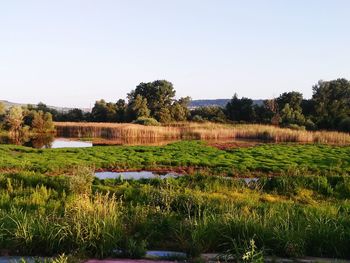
(72, 52)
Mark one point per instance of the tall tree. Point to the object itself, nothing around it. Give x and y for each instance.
(159, 94)
(293, 98)
(290, 110)
(74, 115)
(272, 108)
(332, 102)
(121, 110)
(138, 108)
(14, 120)
(179, 109)
(42, 122)
(240, 109)
(99, 112)
(111, 112)
(44, 108)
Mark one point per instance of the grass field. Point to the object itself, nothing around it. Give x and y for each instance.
(50, 203)
(267, 158)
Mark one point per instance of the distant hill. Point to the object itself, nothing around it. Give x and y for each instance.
(9, 104)
(193, 104)
(216, 102)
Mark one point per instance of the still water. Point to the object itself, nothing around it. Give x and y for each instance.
(135, 175)
(46, 141)
(50, 141)
(150, 175)
(65, 143)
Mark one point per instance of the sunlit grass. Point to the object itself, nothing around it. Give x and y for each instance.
(291, 159)
(194, 214)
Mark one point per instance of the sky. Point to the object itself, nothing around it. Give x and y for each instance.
(73, 52)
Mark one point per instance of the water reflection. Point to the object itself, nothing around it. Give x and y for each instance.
(13, 139)
(49, 141)
(133, 141)
(40, 141)
(44, 141)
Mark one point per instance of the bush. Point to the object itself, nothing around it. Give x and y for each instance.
(146, 121)
(310, 125)
(295, 127)
(80, 181)
(197, 118)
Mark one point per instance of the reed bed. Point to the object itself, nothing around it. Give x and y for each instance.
(203, 131)
(276, 134)
(113, 131)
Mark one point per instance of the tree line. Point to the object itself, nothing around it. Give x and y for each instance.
(21, 121)
(155, 102)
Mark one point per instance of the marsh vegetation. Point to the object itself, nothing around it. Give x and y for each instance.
(51, 203)
(285, 193)
(198, 131)
(285, 216)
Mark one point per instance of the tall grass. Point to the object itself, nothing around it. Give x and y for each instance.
(192, 214)
(198, 131)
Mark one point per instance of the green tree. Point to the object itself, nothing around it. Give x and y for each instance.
(111, 112)
(44, 108)
(179, 109)
(293, 98)
(271, 107)
(121, 111)
(42, 122)
(164, 115)
(14, 120)
(291, 116)
(308, 107)
(208, 113)
(290, 110)
(138, 108)
(332, 102)
(2, 112)
(262, 114)
(99, 112)
(159, 94)
(240, 109)
(74, 115)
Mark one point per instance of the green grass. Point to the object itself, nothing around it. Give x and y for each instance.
(268, 158)
(45, 216)
(304, 211)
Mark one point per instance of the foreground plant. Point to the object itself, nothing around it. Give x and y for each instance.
(248, 253)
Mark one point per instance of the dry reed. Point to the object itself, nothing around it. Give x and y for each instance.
(186, 130)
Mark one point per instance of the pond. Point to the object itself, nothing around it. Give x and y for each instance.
(138, 175)
(135, 175)
(65, 143)
(46, 141)
(50, 141)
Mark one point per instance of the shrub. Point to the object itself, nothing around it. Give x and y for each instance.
(80, 181)
(295, 127)
(146, 121)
